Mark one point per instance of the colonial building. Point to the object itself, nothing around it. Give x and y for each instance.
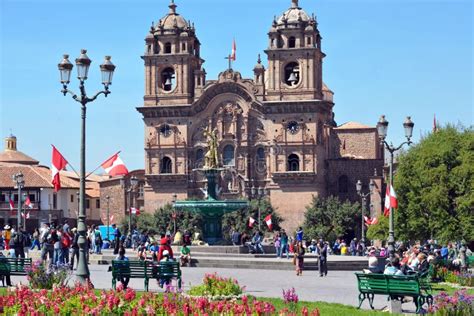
(47, 205)
(276, 130)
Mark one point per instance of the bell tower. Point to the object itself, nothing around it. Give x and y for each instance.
(173, 66)
(294, 57)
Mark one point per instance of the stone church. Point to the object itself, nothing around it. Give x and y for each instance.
(277, 135)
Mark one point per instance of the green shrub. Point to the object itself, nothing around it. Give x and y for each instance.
(214, 285)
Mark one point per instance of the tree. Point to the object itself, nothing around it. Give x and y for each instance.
(161, 221)
(329, 218)
(185, 220)
(434, 183)
(240, 218)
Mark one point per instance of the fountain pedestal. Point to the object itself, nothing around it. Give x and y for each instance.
(211, 209)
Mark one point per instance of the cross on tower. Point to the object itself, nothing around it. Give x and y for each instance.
(229, 57)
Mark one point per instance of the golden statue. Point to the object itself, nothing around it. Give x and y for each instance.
(211, 159)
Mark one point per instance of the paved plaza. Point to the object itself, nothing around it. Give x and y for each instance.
(337, 287)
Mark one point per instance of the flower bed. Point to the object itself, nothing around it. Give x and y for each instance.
(459, 304)
(443, 274)
(82, 300)
(41, 276)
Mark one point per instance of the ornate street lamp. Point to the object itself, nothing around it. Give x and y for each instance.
(19, 184)
(364, 204)
(382, 128)
(65, 67)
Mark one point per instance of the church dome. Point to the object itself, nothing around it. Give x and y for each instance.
(293, 15)
(173, 20)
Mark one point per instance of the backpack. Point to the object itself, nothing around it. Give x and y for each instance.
(65, 240)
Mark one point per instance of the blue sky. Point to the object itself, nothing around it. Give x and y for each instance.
(396, 57)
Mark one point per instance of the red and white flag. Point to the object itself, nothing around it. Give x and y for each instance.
(390, 200)
(11, 203)
(27, 216)
(28, 202)
(251, 221)
(134, 211)
(114, 166)
(268, 220)
(370, 221)
(233, 55)
(58, 163)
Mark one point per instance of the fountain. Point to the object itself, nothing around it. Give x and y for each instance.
(211, 208)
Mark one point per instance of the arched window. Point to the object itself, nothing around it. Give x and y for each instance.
(166, 165)
(293, 163)
(199, 157)
(168, 48)
(309, 40)
(343, 184)
(184, 47)
(228, 157)
(167, 79)
(292, 42)
(292, 74)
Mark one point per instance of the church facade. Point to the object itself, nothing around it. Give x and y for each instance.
(277, 135)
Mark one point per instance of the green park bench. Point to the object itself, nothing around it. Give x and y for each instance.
(133, 269)
(394, 287)
(169, 270)
(13, 266)
(138, 269)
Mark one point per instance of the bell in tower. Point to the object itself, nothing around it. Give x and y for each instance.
(294, 57)
(173, 66)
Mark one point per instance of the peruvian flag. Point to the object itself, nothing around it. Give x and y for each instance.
(370, 221)
(251, 221)
(28, 202)
(12, 204)
(390, 200)
(233, 55)
(114, 166)
(58, 163)
(135, 211)
(27, 216)
(268, 220)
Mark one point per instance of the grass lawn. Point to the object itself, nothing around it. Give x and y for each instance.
(330, 309)
(437, 288)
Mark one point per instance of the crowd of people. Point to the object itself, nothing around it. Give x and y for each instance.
(417, 258)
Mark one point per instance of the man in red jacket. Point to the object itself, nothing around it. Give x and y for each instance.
(165, 244)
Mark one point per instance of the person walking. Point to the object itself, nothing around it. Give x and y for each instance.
(284, 244)
(299, 258)
(74, 247)
(57, 246)
(7, 235)
(36, 240)
(47, 244)
(277, 244)
(322, 252)
(19, 239)
(117, 234)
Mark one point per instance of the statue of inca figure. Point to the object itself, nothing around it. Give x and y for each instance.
(211, 159)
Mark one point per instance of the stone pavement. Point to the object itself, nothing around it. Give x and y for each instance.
(337, 287)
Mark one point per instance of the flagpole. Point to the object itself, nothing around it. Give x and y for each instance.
(118, 152)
